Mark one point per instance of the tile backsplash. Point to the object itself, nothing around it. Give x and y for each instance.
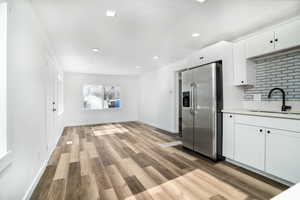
(270, 105)
(281, 71)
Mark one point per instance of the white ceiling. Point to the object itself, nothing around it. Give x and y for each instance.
(145, 28)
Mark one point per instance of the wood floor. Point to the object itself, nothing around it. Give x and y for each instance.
(126, 161)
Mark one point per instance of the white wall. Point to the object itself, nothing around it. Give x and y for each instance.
(3, 81)
(158, 94)
(73, 98)
(27, 50)
(158, 98)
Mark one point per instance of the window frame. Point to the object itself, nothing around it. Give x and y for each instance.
(5, 155)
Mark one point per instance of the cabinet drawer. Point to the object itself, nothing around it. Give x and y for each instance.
(269, 122)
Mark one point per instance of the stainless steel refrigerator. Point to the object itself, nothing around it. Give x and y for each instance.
(201, 109)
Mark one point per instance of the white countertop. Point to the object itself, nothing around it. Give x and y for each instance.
(292, 193)
(263, 114)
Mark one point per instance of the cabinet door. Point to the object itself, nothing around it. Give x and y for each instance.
(244, 69)
(239, 55)
(260, 44)
(288, 36)
(283, 154)
(228, 135)
(250, 146)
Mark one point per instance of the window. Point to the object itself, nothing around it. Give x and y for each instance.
(98, 97)
(5, 156)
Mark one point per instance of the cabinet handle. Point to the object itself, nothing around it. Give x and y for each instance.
(268, 132)
(230, 116)
(242, 81)
(260, 130)
(201, 58)
(276, 40)
(271, 41)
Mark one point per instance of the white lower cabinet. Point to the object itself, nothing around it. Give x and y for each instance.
(228, 135)
(283, 154)
(261, 143)
(250, 146)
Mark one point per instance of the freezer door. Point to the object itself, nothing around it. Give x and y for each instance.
(187, 106)
(205, 110)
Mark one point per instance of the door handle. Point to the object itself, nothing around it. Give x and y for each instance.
(53, 109)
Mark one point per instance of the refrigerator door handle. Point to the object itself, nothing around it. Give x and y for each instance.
(195, 99)
(192, 110)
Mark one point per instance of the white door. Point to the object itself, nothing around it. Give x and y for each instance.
(260, 44)
(287, 36)
(50, 105)
(250, 146)
(228, 135)
(283, 154)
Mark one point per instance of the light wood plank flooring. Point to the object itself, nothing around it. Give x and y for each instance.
(126, 161)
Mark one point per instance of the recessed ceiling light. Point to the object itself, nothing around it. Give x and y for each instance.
(195, 35)
(138, 67)
(110, 13)
(201, 1)
(155, 57)
(95, 50)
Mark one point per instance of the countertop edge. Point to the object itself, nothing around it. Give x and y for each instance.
(263, 114)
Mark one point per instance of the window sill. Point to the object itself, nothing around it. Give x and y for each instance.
(5, 160)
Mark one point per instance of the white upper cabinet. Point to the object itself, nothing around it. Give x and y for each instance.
(250, 146)
(287, 36)
(228, 135)
(283, 37)
(244, 70)
(239, 58)
(260, 44)
(282, 154)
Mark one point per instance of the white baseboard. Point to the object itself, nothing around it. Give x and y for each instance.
(35, 181)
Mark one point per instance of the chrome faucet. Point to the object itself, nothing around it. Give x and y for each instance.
(283, 107)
